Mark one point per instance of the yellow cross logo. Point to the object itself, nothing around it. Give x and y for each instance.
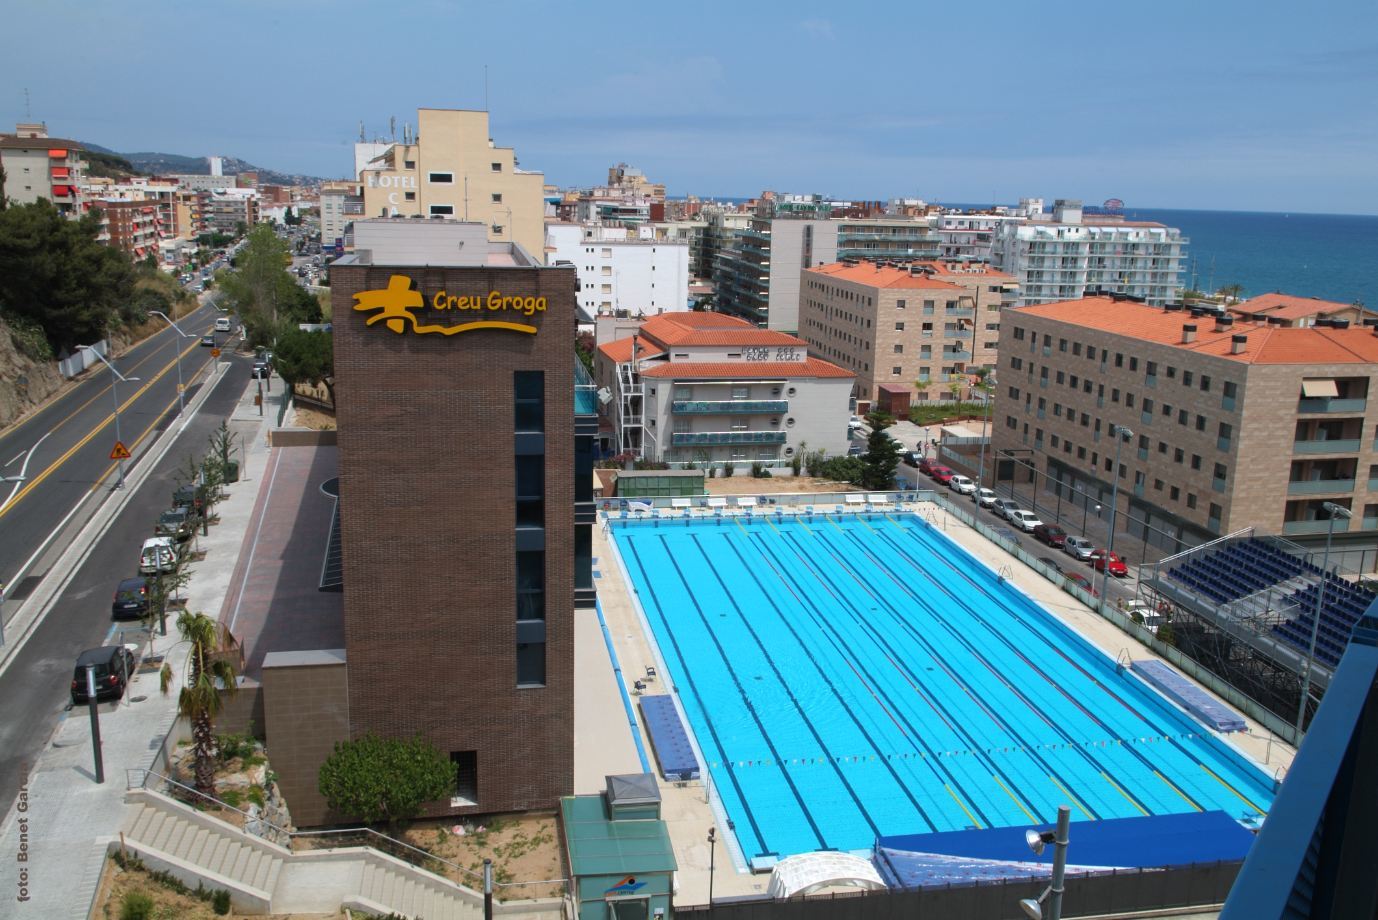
(394, 303)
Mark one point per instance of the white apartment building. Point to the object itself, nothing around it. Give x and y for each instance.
(1066, 255)
(710, 388)
(971, 237)
(38, 166)
(621, 269)
(341, 204)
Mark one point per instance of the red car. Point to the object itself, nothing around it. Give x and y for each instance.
(927, 465)
(1116, 564)
(941, 474)
(1082, 582)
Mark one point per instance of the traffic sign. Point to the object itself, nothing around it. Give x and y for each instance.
(180, 388)
(215, 352)
(119, 451)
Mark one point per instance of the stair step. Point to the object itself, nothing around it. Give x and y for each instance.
(235, 867)
(159, 830)
(141, 821)
(386, 882)
(409, 897)
(250, 867)
(271, 882)
(265, 868)
(217, 854)
(368, 879)
(191, 850)
(174, 829)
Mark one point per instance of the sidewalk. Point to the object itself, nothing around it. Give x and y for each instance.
(64, 819)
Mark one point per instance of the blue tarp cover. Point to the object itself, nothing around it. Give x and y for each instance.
(671, 743)
(919, 860)
(1189, 696)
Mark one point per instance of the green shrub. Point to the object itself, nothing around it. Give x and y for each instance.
(220, 901)
(728, 468)
(135, 905)
(256, 796)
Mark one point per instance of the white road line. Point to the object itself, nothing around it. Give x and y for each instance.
(253, 547)
(16, 457)
(23, 471)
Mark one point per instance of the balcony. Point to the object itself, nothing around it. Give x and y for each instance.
(956, 355)
(1319, 486)
(585, 392)
(960, 313)
(1299, 528)
(730, 406)
(1325, 404)
(708, 438)
(1326, 446)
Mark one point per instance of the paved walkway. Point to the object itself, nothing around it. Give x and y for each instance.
(68, 818)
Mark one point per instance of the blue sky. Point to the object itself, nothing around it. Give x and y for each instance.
(1177, 103)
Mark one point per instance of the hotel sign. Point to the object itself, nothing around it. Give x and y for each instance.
(394, 305)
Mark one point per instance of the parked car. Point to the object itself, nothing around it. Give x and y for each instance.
(1050, 561)
(1024, 520)
(131, 599)
(208, 340)
(1115, 564)
(926, 465)
(262, 370)
(1004, 533)
(176, 523)
(114, 665)
(1082, 582)
(942, 475)
(984, 498)
(1079, 548)
(1003, 507)
(222, 324)
(854, 424)
(1050, 534)
(961, 484)
(158, 554)
(909, 458)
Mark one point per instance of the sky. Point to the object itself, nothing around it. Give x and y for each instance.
(1259, 105)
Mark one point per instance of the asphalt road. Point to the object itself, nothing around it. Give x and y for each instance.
(71, 440)
(34, 689)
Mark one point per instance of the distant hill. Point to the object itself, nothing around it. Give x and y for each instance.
(161, 164)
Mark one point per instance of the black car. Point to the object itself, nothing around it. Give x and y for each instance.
(176, 523)
(114, 666)
(910, 458)
(131, 599)
(208, 341)
(262, 370)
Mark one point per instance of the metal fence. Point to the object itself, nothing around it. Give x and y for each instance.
(83, 358)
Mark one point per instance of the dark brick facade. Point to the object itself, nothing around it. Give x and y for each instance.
(427, 481)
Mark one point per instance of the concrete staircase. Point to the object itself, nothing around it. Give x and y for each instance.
(263, 877)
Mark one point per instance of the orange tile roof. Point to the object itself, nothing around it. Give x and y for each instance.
(702, 328)
(620, 351)
(956, 270)
(1267, 344)
(1288, 306)
(810, 367)
(880, 276)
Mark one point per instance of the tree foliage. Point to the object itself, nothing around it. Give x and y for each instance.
(306, 357)
(385, 779)
(199, 701)
(53, 273)
(261, 290)
(882, 455)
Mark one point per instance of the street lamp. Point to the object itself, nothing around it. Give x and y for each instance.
(181, 406)
(1121, 434)
(1033, 907)
(113, 393)
(712, 859)
(985, 436)
(1334, 511)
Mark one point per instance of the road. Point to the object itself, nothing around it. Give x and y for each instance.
(71, 440)
(34, 690)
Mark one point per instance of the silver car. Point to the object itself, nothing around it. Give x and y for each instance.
(1079, 548)
(1004, 507)
(984, 498)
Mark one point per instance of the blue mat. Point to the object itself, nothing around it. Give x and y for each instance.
(671, 742)
(1187, 695)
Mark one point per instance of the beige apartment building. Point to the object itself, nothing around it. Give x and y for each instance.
(910, 332)
(37, 166)
(1232, 424)
(452, 169)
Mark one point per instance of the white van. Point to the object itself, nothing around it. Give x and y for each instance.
(222, 324)
(158, 555)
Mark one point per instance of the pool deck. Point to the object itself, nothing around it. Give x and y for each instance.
(605, 745)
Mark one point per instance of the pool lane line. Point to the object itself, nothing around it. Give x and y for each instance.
(1122, 792)
(1016, 800)
(1173, 787)
(875, 747)
(1239, 795)
(622, 687)
(1066, 694)
(1074, 800)
(981, 750)
(780, 678)
(847, 609)
(762, 846)
(780, 762)
(968, 813)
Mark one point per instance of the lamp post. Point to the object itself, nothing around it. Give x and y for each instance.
(120, 483)
(985, 436)
(1121, 434)
(1334, 511)
(181, 405)
(1033, 907)
(712, 859)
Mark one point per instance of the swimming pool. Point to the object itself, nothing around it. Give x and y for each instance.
(853, 676)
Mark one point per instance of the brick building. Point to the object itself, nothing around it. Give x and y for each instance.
(465, 502)
(133, 227)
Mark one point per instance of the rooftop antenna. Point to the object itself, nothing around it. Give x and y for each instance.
(28, 114)
(392, 127)
(361, 130)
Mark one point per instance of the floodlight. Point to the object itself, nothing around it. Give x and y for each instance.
(1031, 909)
(1035, 841)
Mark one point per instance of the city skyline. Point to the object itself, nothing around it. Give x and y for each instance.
(1237, 109)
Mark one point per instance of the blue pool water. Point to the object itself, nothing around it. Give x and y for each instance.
(852, 676)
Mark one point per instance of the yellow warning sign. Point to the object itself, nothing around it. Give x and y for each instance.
(215, 352)
(119, 451)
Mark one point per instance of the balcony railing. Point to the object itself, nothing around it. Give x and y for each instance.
(1319, 486)
(1326, 446)
(585, 392)
(730, 406)
(1312, 527)
(690, 438)
(1332, 405)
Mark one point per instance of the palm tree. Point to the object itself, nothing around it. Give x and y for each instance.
(1232, 292)
(922, 385)
(199, 700)
(955, 388)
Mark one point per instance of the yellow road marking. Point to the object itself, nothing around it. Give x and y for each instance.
(33, 483)
(1232, 789)
(1176, 790)
(1013, 798)
(1067, 792)
(135, 443)
(1123, 793)
(969, 815)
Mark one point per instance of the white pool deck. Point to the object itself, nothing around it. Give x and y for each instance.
(603, 737)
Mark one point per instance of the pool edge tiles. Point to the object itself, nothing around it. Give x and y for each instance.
(865, 679)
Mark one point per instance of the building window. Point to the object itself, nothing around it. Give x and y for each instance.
(1187, 378)
(899, 327)
(408, 164)
(531, 585)
(899, 349)
(1205, 384)
(1175, 493)
(466, 777)
(497, 167)
(1195, 461)
(410, 196)
(530, 490)
(442, 210)
(442, 178)
(899, 304)
(530, 664)
(895, 371)
(497, 198)
(1191, 500)
(529, 392)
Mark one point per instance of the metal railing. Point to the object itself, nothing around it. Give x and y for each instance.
(729, 406)
(683, 438)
